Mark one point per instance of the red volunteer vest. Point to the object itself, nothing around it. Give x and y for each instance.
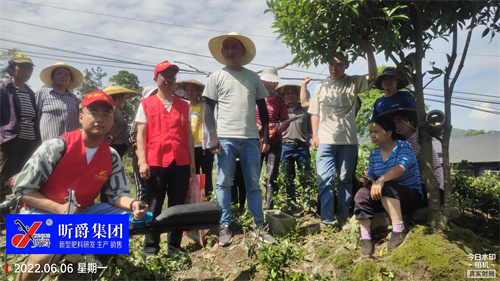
(73, 172)
(167, 133)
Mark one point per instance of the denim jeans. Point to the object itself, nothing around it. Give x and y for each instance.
(249, 153)
(330, 160)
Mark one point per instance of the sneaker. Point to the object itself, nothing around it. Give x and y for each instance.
(262, 235)
(225, 236)
(367, 247)
(78, 258)
(397, 238)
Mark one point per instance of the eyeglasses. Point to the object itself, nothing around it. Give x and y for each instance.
(95, 115)
(167, 77)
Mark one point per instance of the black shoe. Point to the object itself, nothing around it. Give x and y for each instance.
(174, 250)
(367, 247)
(396, 240)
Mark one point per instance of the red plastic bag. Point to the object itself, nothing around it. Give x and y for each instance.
(196, 194)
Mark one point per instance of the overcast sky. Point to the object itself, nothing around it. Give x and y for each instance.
(150, 31)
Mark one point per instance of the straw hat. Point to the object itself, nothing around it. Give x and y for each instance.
(148, 91)
(181, 86)
(270, 75)
(409, 113)
(215, 47)
(281, 89)
(390, 71)
(77, 76)
(113, 89)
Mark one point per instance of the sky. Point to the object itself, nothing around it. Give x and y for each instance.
(141, 34)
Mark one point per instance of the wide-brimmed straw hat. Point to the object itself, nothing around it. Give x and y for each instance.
(113, 89)
(181, 86)
(76, 75)
(409, 113)
(148, 91)
(215, 47)
(270, 75)
(281, 89)
(390, 71)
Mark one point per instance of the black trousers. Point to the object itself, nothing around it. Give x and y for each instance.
(204, 162)
(365, 207)
(172, 181)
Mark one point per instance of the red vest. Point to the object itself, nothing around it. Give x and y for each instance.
(73, 172)
(167, 132)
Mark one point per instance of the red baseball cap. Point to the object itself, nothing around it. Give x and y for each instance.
(165, 65)
(98, 96)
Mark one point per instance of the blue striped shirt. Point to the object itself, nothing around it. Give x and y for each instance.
(401, 154)
(58, 113)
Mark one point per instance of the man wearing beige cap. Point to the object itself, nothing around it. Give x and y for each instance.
(236, 91)
(57, 105)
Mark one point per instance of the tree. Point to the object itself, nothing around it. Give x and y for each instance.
(92, 81)
(129, 81)
(317, 30)
(5, 56)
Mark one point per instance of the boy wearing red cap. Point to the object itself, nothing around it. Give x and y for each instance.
(165, 151)
(42, 184)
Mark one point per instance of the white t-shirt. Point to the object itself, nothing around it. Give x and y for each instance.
(334, 102)
(140, 117)
(236, 93)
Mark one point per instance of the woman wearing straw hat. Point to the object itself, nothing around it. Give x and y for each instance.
(204, 158)
(119, 95)
(393, 98)
(19, 128)
(58, 107)
(278, 112)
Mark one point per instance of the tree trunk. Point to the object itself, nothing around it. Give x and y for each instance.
(436, 217)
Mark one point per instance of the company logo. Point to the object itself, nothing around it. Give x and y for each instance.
(102, 175)
(22, 240)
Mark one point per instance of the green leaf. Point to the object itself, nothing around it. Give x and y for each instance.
(485, 32)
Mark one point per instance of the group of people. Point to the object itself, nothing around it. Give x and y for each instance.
(237, 115)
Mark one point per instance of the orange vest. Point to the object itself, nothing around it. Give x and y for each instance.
(167, 132)
(72, 171)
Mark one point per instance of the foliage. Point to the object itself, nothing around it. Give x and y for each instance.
(477, 194)
(130, 81)
(275, 261)
(318, 30)
(5, 56)
(92, 81)
(471, 133)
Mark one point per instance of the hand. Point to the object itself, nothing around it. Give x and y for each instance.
(138, 212)
(192, 168)
(367, 182)
(108, 138)
(306, 81)
(376, 190)
(315, 143)
(366, 43)
(265, 148)
(144, 170)
(63, 208)
(217, 150)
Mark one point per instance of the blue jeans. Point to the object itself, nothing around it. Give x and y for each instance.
(331, 159)
(249, 153)
(298, 154)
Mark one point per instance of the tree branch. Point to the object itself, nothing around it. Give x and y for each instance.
(277, 68)
(198, 70)
(464, 54)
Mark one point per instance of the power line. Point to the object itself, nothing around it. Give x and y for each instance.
(470, 107)
(458, 98)
(460, 92)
